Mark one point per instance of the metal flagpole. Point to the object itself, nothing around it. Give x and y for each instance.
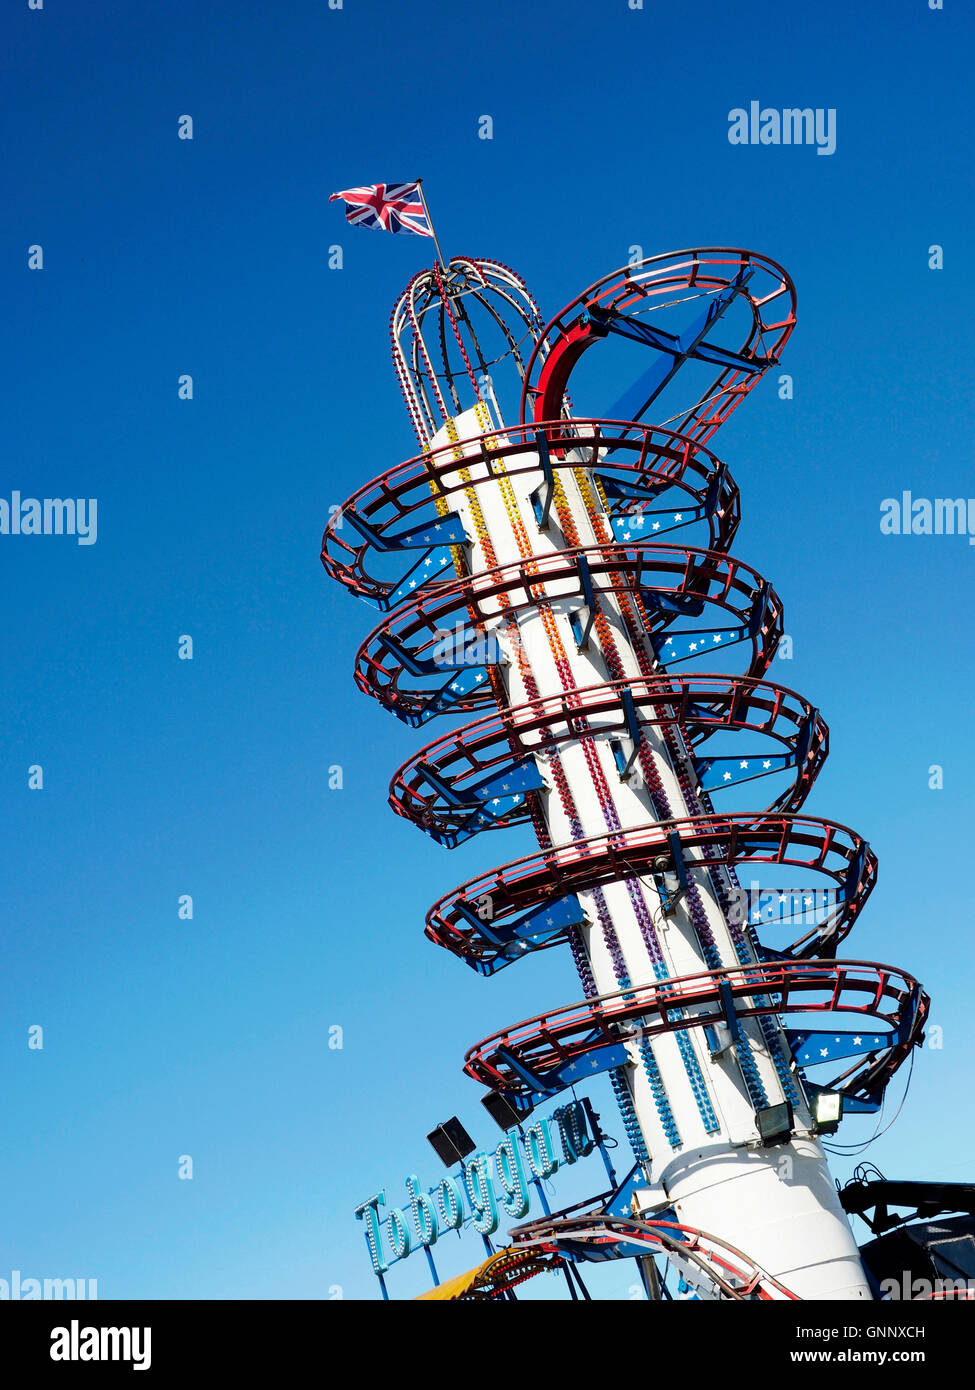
(440, 255)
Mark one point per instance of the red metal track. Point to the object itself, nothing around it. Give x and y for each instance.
(730, 1272)
(631, 570)
(655, 282)
(402, 496)
(695, 1001)
(699, 705)
(799, 841)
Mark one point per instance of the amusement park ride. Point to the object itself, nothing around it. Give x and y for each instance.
(563, 584)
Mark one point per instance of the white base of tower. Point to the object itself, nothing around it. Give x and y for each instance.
(778, 1206)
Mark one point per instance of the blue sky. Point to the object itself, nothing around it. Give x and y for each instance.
(163, 777)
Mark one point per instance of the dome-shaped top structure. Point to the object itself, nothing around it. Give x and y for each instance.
(462, 333)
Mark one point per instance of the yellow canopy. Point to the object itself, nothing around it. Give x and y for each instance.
(456, 1287)
(487, 1278)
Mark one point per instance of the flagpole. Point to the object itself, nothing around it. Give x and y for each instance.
(433, 230)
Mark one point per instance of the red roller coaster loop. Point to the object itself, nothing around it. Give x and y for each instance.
(666, 580)
(656, 282)
(528, 884)
(699, 705)
(654, 464)
(564, 1040)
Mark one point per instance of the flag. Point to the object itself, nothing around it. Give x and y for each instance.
(388, 207)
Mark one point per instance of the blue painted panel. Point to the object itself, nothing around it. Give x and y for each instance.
(445, 530)
(811, 1048)
(695, 644)
(725, 771)
(643, 525)
(435, 565)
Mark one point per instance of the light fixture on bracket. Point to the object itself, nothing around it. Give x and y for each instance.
(827, 1111)
(774, 1124)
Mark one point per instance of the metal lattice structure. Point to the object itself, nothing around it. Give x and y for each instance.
(551, 580)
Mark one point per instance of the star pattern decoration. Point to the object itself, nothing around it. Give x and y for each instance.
(807, 1055)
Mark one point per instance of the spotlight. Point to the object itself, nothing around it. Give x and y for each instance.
(502, 1112)
(827, 1111)
(774, 1124)
(451, 1141)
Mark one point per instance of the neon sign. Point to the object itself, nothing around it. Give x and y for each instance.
(488, 1186)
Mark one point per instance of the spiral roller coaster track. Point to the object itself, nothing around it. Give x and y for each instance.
(531, 575)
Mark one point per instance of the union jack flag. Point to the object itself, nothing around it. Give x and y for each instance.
(388, 207)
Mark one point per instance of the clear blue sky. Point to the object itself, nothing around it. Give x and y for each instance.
(161, 777)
